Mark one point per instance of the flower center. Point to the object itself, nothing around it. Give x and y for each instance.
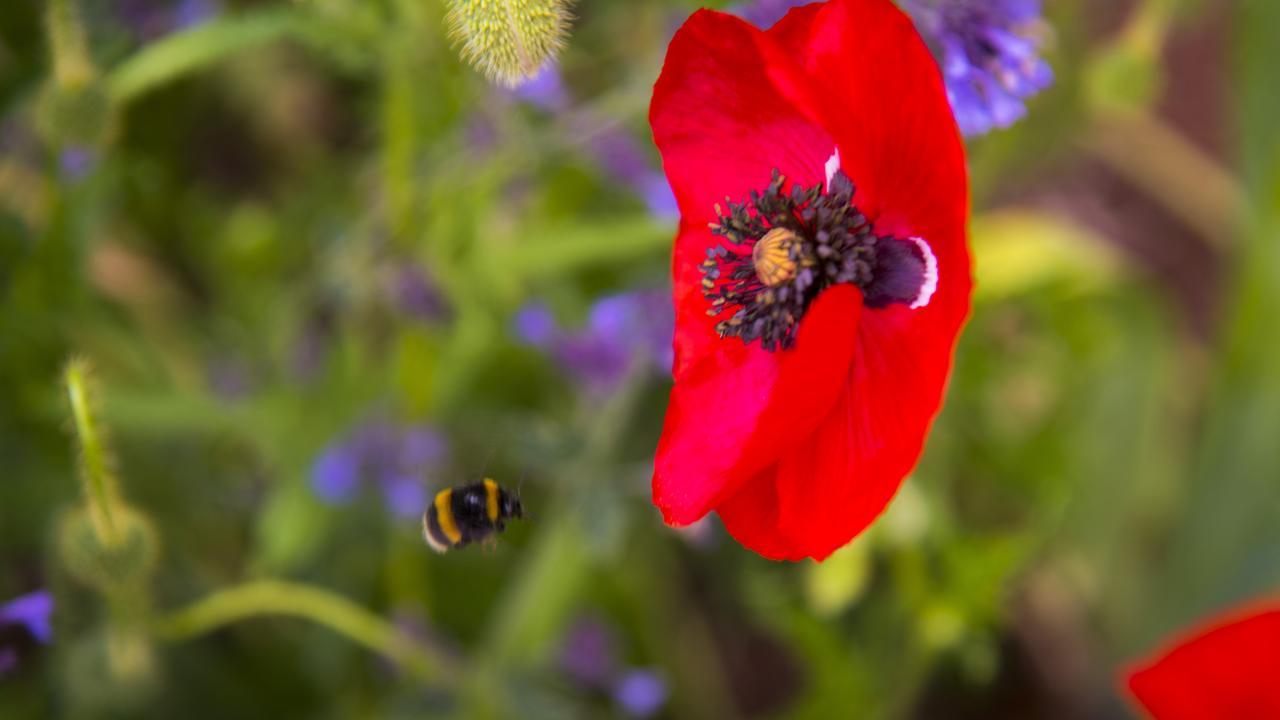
(782, 249)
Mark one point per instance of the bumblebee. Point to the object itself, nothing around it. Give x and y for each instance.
(468, 513)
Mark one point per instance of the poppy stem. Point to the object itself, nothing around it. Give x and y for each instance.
(275, 597)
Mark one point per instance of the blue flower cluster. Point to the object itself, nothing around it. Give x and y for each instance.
(623, 332)
(989, 52)
(589, 658)
(395, 459)
(31, 612)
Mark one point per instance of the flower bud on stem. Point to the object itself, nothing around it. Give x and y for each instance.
(74, 107)
(101, 491)
(105, 543)
(68, 45)
(509, 40)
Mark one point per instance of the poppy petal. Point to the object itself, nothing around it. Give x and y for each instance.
(882, 96)
(1223, 671)
(835, 483)
(867, 78)
(906, 157)
(736, 411)
(728, 108)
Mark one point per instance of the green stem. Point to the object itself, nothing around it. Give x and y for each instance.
(98, 486)
(67, 44)
(273, 597)
(1189, 183)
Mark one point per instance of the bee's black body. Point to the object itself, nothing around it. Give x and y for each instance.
(468, 513)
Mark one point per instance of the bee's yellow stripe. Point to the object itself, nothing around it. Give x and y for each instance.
(491, 496)
(444, 513)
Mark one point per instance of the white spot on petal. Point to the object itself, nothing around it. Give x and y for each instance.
(930, 284)
(832, 166)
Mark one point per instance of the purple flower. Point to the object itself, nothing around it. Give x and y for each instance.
(150, 19)
(77, 161)
(190, 13)
(415, 295)
(640, 692)
(657, 195)
(588, 655)
(764, 13)
(396, 459)
(535, 325)
(589, 658)
(545, 91)
(623, 332)
(989, 53)
(335, 475)
(32, 611)
(624, 160)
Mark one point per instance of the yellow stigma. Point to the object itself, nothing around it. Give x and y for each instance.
(772, 257)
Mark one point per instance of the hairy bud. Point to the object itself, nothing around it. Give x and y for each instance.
(74, 107)
(110, 567)
(509, 40)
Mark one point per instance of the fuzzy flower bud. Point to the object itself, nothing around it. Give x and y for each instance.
(508, 40)
(120, 565)
(74, 107)
(104, 543)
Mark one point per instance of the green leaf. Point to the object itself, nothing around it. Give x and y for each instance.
(557, 250)
(200, 47)
(1016, 251)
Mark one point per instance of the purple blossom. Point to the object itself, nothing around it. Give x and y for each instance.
(623, 332)
(640, 692)
(535, 325)
(398, 460)
(335, 475)
(989, 53)
(657, 195)
(626, 162)
(415, 295)
(190, 13)
(589, 653)
(764, 13)
(589, 658)
(545, 91)
(151, 19)
(77, 161)
(32, 611)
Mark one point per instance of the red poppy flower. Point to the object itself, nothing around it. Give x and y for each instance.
(821, 271)
(1227, 669)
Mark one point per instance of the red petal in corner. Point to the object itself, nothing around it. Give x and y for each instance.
(1226, 670)
(734, 412)
(728, 108)
(828, 489)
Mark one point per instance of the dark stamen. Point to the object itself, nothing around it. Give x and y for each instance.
(784, 248)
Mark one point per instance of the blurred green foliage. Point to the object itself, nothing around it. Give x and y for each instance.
(216, 216)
